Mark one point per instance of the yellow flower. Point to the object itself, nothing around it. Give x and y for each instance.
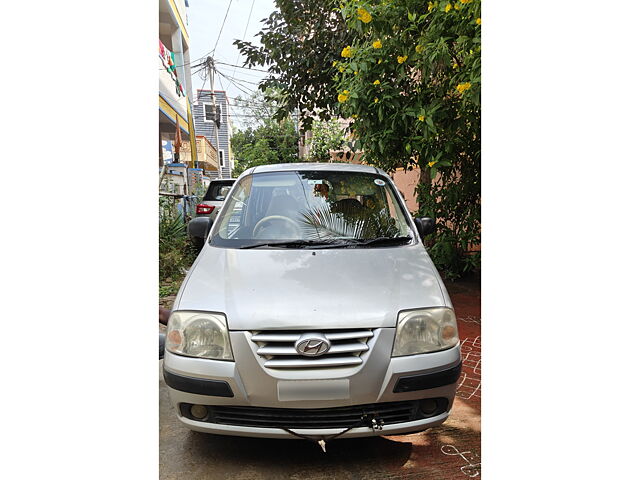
(379, 61)
(342, 98)
(341, 69)
(402, 59)
(363, 15)
(377, 44)
(455, 65)
(465, 1)
(462, 87)
(431, 164)
(346, 92)
(457, 6)
(355, 115)
(355, 73)
(431, 6)
(377, 82)
(478, 21)
(448, 7)
(334, 63)
(375, 100)
(421, 118)
(419, 48)
(347, 52)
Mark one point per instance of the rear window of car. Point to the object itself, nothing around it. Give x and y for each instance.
(217, 191)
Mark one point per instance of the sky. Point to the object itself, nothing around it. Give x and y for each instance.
(205, 21)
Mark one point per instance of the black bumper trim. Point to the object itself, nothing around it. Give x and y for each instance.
(200, 386)
(428, 380)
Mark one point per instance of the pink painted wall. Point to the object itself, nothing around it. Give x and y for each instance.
(406, 183)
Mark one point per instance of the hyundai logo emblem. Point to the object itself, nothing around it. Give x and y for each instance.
(312, 345)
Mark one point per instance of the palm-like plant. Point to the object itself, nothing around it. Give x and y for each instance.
(324, 223)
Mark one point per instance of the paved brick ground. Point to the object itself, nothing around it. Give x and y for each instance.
(451, 451)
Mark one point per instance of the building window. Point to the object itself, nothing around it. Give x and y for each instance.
(221, 158)
(209, 112)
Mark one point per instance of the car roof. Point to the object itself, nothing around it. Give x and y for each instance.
(341, 167)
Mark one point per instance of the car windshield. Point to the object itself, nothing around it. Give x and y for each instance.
(309, 208)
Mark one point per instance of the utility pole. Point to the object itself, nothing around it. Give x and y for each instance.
(211, 69)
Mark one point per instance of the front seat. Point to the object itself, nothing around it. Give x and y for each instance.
(348, 206)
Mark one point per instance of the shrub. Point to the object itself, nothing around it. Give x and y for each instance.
(176, 253)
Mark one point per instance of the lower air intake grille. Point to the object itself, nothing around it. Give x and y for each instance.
(337, 417)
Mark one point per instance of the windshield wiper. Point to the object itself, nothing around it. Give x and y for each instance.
(333, 243)
(383, 241)
(304, 244)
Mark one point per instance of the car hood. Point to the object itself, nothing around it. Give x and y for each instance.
(302, 288)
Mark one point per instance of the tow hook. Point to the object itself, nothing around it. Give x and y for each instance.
(377, 424)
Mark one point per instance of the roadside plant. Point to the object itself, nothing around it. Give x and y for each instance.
(176, 253)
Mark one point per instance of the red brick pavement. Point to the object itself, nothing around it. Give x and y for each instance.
(452, 451)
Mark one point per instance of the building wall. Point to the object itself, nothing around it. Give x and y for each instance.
(173, 36)
(205, 153)
(406, 183)
(206, 128)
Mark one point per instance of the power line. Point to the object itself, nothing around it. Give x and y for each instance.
(238, 86)
(241, 66)
(187, 64)
(243, 37)
(245, 81)
(242, 72)
(220, 33)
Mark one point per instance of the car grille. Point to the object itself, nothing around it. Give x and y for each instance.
(278, 348)
(337, 417)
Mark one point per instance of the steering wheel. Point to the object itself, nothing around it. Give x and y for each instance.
(277, 217)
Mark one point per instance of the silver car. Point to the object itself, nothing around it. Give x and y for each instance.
(313, 311)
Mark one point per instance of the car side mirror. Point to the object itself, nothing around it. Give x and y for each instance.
(425, 225)
(199, 227)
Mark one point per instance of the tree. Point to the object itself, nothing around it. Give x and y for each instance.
(268, 141)
(326, 135)
(411, 81)
(408, 73)
(300, 41)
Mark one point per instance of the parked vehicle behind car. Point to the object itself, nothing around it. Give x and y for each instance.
(214, 197)
(212, 202)
(313, 310)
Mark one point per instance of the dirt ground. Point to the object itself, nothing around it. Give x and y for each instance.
(450, 451)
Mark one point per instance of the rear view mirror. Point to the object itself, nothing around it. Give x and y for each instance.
(425, 225)
(199, 227)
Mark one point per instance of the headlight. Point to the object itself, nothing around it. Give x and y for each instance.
(198, 334)
(423, 331)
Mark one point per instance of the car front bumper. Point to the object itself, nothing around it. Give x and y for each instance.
(313, 433)
(246, 383)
